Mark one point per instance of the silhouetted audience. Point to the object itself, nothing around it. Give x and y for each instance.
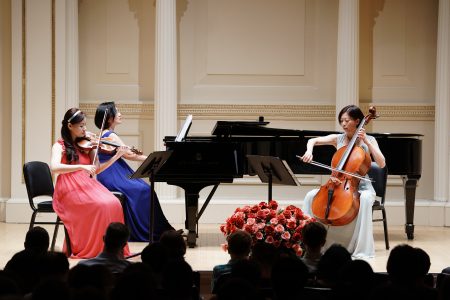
(314, 238)
(112, 256)
(330, 264)
(407, 268)
(174, 243)
(90, 280)
(178, 281)
(265, 255)
(289, 277)
(356, 276)
(239, 247)
(155, 256)
(24, 265)
(135, 282)
(238, 289)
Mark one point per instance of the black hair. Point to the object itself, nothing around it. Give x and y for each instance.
(116, 236)
(37, 240)
(314, 234)
(239, 243)
(100, 113)
(72, 116)
(353, 111)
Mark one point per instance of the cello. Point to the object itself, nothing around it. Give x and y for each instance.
(337, 201)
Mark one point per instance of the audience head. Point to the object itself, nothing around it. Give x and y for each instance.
(331, 263)
(116, 237)
(53, 265)
(248, 270)
(155, 256)
(424, 261)
(407, 264)
(289, 277)
(238, 289)
(178, 279)
(239, 244)
(314, 236)
(174, 243)
(135, 282)
(51, 289)
(356, 276)
(264, 254)
(96, 276)
(37, 240)
(403, 264)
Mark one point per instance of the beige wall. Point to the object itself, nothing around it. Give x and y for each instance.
(116, 50)
(398, 51)
(5, 99)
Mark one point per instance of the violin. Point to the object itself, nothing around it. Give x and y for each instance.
(107, 146)
(337, 202)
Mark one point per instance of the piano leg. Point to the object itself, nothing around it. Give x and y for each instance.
(410, 185)
(191, 218)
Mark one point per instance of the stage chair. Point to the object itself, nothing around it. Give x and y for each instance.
(38, 181)
(379, 175)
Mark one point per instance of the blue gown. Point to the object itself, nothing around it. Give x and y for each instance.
(137, 204)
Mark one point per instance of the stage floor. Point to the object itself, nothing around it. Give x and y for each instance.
(208, 253)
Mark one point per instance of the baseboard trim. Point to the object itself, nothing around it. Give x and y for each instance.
(427, 212)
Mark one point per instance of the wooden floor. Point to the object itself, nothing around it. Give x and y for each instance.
(434, 240)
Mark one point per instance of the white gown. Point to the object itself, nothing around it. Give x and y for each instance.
(356, 236)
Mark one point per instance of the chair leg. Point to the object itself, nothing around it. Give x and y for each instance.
(55, 233)
(68, 247)
(33, 219)
(386, 238)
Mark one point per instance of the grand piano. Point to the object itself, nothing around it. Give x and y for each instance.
(201, 161)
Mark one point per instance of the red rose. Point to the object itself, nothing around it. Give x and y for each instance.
(240, 223)
(269, 239)
(291, 225)
(273, 204)
(296, 237)
(279, 228)
(286, 235)
(259, 235)
(276, 243)
(262, 205)
(291, 207)
(287, 214)
(281, 219)
(272, 214)
(269, 229)
(255, 208)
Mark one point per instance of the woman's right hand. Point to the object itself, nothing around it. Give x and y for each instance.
(307, 157)
(91, 169)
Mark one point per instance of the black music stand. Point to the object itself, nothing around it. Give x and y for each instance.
(271, 170)
(150, 168)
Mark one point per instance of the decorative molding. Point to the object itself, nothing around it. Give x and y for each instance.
(273, 112)
(403, 112)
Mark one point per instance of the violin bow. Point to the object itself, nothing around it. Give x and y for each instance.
(100, 136)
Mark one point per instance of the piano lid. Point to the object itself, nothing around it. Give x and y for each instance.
(258, 128)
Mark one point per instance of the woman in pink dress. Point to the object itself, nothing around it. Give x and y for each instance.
(84, 205)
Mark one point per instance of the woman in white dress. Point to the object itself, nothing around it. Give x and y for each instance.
(357, 236)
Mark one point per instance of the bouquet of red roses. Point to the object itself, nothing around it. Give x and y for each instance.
(269, 223)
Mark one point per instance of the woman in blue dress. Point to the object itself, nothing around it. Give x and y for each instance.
(115, 177)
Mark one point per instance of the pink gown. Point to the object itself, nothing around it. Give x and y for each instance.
(86, 207)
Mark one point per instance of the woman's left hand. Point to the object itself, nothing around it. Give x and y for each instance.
(362, 135)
